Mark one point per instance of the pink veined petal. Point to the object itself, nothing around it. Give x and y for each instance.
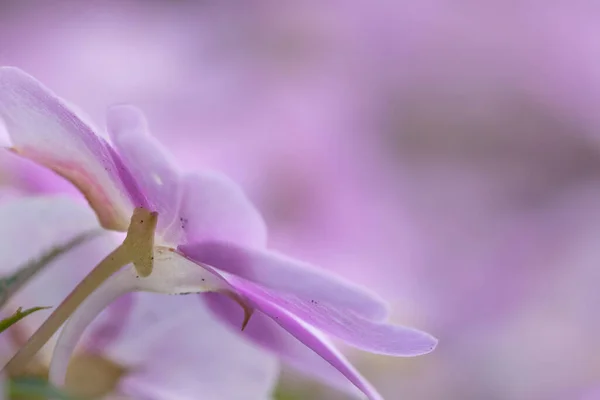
(215, 208)
(177, 349)
(375, 337)
(286, 275)
(43, 128)
(150, 165)
(295, 343)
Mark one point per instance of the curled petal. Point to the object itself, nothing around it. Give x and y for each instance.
(296, 344)
(375, 337)
(44, 129)
(149, 164)
(287, 275)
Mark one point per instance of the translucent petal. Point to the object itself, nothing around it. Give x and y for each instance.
(149, 164)
(286, 275)
(44, 129)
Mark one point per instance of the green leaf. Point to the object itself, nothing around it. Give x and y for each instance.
(17, 316)
(31, 388)
(11, 284)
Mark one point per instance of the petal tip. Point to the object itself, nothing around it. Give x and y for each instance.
(425, 344)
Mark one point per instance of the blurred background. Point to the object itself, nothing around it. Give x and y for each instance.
(444, 154)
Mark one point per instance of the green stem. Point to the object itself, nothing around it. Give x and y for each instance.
(111, 264)
(137, 249)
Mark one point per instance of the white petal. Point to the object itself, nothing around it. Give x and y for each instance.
(172, 274)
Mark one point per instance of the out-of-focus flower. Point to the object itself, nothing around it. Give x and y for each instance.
(591, 394)
(143, 346)
(484, 151)
(208, 238)
(489, 149)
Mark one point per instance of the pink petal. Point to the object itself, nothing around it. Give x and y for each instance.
(44, 129)
(152, 167)
(286, 275)
(294, 343)
(215, 208)
(375, 337)
(176, 349)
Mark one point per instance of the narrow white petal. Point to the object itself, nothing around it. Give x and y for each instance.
(172, 274)
(121, 283)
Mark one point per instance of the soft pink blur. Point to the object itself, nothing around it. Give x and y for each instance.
(446, 154)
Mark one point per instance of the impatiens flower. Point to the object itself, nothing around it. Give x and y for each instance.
(190, 233)
(168, 347)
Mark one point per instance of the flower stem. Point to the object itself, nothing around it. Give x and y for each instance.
(136, 249)
(115, 261)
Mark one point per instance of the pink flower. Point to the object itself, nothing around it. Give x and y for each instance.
(145, 346)
(209, 238)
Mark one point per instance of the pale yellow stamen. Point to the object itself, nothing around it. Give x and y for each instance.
(139, 242)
